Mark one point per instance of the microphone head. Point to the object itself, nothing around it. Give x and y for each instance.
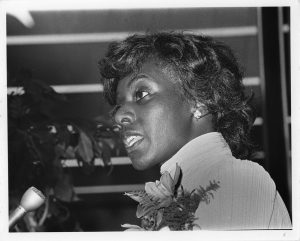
(32, 199)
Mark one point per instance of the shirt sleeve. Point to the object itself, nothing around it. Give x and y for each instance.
(247, 199)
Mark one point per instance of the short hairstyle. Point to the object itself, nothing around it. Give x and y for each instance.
(208, 72)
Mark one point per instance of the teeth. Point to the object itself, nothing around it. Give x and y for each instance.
(129, 141)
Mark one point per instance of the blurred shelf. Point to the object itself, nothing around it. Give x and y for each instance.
(116, 161)
(108, 189)
(117, 36)
(98, 162)
(94, 88)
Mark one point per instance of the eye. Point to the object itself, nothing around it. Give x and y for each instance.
(140, 94)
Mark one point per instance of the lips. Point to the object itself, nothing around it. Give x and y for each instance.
(132, 140)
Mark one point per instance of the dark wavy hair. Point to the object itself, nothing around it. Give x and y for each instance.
(207, 70)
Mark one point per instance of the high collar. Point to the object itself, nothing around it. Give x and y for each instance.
(201, 152)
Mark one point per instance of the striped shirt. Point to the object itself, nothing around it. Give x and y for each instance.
(247, 197)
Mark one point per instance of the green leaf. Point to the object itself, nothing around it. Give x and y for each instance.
(85, 148)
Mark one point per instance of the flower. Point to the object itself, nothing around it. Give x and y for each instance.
(165, 205)
(166, 228)
(162, 191)
(131, 227)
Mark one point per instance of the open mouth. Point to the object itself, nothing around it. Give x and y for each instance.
(132, 141)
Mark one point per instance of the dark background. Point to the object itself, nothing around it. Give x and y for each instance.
(264, 53)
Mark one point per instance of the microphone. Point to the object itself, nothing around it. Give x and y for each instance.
(31, 200)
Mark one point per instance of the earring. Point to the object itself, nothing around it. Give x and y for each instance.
(197, 114)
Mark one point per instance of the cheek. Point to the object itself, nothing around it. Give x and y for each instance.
(167, 127)
(167, 117)
(154, 124)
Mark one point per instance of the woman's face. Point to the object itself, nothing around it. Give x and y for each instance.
(156, 121)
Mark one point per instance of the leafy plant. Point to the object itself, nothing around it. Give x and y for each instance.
(162, 205)
(38, 141)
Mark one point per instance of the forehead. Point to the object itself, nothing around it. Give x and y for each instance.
(149, 72)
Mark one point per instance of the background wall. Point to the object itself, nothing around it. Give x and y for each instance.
(63, 47)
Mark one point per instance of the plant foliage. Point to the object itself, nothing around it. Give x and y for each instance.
(161, 205)
(39, 141)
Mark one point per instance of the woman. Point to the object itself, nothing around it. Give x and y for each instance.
(179, 99)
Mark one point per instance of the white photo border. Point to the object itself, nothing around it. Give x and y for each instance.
(44, 5)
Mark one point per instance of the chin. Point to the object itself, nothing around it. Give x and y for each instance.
(140, 164)
(139, 167)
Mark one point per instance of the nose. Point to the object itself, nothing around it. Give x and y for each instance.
(125, 115)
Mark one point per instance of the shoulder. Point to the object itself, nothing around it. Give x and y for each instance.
(244, 173)
(245, 182)
(245, 196)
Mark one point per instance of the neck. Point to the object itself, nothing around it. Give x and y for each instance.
(201, 126)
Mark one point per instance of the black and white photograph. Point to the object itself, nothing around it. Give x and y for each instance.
(122, 118)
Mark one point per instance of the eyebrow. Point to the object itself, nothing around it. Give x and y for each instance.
(135, 79)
